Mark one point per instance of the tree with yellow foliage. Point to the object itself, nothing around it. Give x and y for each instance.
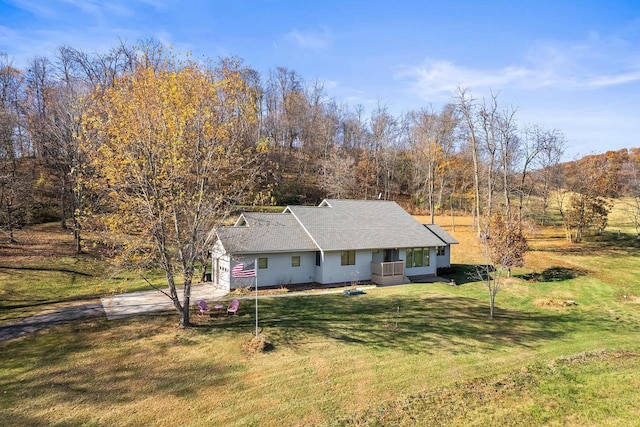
(175, 143)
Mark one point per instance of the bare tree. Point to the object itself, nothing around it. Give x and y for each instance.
(509, 148)
(385, 131)
(13, 182)
(466, 105)
(488, 118)
(57, 92)
(285, 103)
(545, 148)
(340, 173)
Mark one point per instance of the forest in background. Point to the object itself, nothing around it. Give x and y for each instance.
(472, 156)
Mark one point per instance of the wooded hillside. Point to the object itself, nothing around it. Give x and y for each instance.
(472, 155)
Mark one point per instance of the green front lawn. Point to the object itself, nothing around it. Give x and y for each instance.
(423, 354)
(336, 359)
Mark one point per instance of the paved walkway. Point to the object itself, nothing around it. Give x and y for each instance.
(135, 303)
(113, 307)
(40, 321)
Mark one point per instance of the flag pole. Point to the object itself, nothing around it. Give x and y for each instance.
(256, 275)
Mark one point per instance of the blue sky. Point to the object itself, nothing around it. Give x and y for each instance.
(571, 65)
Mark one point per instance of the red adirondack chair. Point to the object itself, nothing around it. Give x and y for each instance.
(233, 308)
(204, 309)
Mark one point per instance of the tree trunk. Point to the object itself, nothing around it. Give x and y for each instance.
(431, 199)
(12, 238)
(453, 223)
(77, 239)
(492, 302)
(185, 320)
(476, 185)
(63, 209)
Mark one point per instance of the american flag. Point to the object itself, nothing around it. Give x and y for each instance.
(244, 270)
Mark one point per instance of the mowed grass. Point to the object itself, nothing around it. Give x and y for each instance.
(423, 354)
(42, 272)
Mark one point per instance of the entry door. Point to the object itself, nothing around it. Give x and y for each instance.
(391, 255)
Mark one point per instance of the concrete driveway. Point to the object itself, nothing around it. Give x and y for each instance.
(136, 303)
(114, 307)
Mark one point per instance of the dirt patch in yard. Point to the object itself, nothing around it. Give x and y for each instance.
(554, 303)
(631, 299)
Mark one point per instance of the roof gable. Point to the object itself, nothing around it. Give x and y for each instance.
(338, 224)
(256, 232)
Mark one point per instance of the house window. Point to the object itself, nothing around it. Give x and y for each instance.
(417, 257)
(318, 258)
(441, 251)
(263, 263)
(295, 261)
(348, 257)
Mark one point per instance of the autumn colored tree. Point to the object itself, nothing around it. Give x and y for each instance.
(459, 181)
(167, 142)
(632, 181)
(589, 181)
(504, 246)
(585, 210)
(431, 139)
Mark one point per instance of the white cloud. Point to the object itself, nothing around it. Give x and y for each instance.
(614, 80)
(313, 40)
(440, 78)
(594, 63)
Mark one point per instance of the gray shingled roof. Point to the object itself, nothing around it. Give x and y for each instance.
(265, 232)
(443, 235)
(362, 224)
(333, 226)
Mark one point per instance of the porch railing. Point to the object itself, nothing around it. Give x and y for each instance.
(387, 270)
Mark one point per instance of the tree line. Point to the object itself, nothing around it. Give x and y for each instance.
(161, 147)
(470, 155)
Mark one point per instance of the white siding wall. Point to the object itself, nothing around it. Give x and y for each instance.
(334, 272)
(279, 270)
(444, 261)
(318, 269)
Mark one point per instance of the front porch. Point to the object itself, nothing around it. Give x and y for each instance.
(388, 273)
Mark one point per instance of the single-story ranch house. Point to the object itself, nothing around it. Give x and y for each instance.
(336, 242)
